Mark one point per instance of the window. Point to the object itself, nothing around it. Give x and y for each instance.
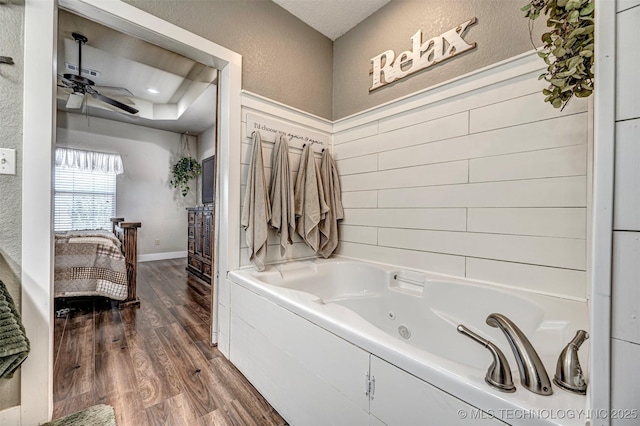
(85, 189)
(84, 199)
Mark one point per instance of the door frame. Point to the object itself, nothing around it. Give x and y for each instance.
(39, 132)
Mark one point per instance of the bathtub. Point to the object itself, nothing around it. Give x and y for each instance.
(405, 320)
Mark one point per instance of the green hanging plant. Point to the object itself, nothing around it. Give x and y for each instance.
(568, 47)
(183, 171)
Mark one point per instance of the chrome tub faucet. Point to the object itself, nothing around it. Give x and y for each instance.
(533, 375)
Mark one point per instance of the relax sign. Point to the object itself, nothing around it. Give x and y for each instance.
(387, 68)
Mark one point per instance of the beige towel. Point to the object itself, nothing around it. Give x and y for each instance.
(256, 211)
(283, 217)
(331, 185)
(310, 206)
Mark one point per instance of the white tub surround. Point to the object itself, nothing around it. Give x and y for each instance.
(324, 328)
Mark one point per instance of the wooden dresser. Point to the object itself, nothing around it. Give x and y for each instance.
(200, 242)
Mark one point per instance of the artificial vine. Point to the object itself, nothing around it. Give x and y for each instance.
(183, 171)
(568, 47)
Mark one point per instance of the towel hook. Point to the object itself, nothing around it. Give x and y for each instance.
(310, 143)
(6, 60)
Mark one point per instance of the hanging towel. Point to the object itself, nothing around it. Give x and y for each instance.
(14, 345)
(256, 211)
(283, 217)
(310, 206)
(333, 197)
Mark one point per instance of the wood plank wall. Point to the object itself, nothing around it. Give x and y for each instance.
(490, 185)
(625, 291)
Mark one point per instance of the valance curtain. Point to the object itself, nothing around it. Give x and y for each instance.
(89, 160)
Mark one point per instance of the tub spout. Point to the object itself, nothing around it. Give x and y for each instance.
(533, 375)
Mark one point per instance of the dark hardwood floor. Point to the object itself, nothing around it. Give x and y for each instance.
(153, 364)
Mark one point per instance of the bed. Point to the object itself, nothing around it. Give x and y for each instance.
(98, 263)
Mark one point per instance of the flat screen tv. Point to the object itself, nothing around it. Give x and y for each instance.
(208, 179)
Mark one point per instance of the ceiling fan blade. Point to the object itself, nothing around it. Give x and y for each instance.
(118, 91)
(113, 102)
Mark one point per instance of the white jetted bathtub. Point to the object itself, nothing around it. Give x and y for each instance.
(347, 342)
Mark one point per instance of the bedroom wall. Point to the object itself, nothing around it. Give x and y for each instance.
(501, 32)
(283, 58)
(11, 84)
(143, 191)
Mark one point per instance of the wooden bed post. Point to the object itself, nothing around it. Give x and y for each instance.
(114, 222)
(127, 233)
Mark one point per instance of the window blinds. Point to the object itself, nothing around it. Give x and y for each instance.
(84, 199)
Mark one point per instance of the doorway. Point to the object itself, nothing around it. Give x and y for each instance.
(39, 106)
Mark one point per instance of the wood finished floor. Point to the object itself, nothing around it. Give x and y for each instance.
(153, 364)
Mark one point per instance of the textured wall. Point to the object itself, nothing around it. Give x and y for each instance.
(11, 34)
(282, 58)
(501, 32)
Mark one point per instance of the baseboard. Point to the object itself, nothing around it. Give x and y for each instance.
(10, 416)
(161, 256)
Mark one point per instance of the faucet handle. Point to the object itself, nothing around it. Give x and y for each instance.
(568, 371)
(499, 374)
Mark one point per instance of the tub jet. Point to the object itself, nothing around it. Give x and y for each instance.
(404, 331)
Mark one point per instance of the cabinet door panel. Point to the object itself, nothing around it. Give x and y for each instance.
(403, 399)
(195, 263)
(332, 366)
(199, 233)
(206, 234)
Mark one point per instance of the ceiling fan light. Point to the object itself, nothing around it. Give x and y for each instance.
(75, 100)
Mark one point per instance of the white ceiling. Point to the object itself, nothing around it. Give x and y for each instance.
(332, 18)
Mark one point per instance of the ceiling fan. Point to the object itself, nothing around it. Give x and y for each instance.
(82, 86)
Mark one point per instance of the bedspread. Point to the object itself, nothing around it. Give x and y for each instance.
(89, 263)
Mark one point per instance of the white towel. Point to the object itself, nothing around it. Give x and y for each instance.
(333, 197)
(310, 206)
(283, 217)
(256, 211)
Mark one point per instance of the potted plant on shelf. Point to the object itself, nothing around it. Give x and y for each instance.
(183, 171)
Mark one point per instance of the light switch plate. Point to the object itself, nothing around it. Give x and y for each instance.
(7, 161)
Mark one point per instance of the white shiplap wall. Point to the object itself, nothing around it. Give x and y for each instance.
(490, 184)
(275, 112)
(625, 287)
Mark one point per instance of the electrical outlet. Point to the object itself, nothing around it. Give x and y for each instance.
(157, 242)
(7, 161)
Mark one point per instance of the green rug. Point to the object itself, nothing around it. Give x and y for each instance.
(98, 415)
